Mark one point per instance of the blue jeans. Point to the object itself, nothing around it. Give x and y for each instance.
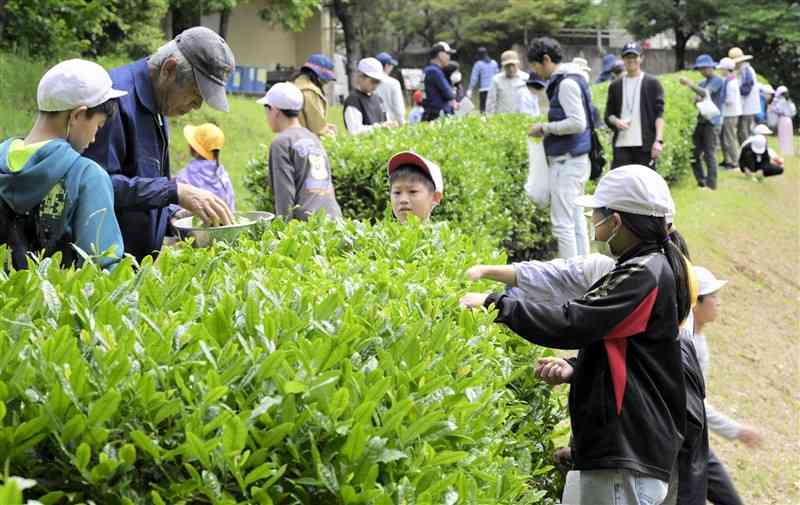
(568, 177)
(620, 487)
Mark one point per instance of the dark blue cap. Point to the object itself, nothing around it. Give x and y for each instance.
(631, 48)
(386, 59)
(705, 61)
(608, 62)
(322, 66)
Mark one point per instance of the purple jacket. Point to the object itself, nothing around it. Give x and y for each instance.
(205, 174)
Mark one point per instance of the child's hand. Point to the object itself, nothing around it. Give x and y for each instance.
(554, 371)
(684, 81)
(476, 273)
(749, 436)
(473, 300)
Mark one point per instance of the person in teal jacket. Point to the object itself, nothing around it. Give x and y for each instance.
(52, 199)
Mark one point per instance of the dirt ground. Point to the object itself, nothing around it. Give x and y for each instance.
(749, 233)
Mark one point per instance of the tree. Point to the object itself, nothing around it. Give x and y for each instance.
(769, 30)
(685, 18)
(188, 13)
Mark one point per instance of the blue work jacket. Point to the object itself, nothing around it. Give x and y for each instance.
(133, 147)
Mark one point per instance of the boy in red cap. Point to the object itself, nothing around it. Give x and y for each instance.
(415, 116)
(416, 185)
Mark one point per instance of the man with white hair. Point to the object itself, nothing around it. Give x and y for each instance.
(134, 145)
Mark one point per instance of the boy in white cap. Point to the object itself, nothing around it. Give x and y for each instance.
(364, 110)
(627, 393)
(299, 169)
(731, 110)
(416, 186)
(52, 199)
(720, 485)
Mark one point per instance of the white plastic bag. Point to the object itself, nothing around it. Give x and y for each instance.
(538, 184)
(465, 106)
(708, 109)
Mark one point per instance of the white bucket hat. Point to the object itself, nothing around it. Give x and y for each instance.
(635, 189)
(372, 68)
(706, 281)
(758, 144)
(726, 64)
(75, 83)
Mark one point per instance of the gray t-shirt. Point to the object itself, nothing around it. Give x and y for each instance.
(300, 175)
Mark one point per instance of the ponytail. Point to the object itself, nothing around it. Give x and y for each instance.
(653, 230)
(677, 239)
(215, 153)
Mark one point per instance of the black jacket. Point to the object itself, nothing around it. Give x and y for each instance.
(693, 456)
(627, 398)
(652, 107)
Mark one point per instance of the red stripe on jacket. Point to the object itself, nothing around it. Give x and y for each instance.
(617, 344)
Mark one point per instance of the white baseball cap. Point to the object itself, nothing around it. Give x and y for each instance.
(635, 189)
(283, 96)
(766, 89)
(75, 83)
(758, 144)
(411, 158)
(781, 90)
(372, 68)
(726, 64)
(706, 281)
(762, 129)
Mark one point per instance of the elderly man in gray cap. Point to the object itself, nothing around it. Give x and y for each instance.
(134, 146)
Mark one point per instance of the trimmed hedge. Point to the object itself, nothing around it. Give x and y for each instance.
(485, 164)
(324, 363)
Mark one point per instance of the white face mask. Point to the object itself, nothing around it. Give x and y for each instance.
(603, 246)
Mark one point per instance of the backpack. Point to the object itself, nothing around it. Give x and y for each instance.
(40, 230)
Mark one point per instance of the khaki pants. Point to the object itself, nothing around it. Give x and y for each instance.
(745, 127)
(730, 142)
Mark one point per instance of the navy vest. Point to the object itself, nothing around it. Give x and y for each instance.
(371, 107)
(574, 144)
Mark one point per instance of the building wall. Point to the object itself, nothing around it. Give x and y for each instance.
(257, 43)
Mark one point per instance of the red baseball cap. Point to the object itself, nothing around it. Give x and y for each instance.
(430, 168)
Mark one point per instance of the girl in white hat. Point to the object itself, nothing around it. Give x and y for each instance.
(627, 390)
(784, 108)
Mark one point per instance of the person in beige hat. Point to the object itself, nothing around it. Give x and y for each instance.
(507, 86)
(749, 90)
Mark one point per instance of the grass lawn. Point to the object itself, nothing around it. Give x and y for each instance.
(747, 232)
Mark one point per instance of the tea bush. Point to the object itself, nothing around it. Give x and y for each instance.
(322, 363)
(484, 163)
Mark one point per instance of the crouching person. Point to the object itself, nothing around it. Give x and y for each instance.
(52, 199)
(756, 157)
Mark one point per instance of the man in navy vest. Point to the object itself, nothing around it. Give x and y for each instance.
(567, 142)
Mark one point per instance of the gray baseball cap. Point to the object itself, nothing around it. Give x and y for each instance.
(212, 61)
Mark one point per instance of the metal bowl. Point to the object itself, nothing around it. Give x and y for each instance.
(205, 236)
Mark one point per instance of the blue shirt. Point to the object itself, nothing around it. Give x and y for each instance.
(482, 74)
(715, 86)
(56, 172)
(438, 91)
(133, 147)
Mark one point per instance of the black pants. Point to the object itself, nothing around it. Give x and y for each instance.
(721, 490)
(705, 144)
(632, 156)
(483, 95)
(431, 115)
